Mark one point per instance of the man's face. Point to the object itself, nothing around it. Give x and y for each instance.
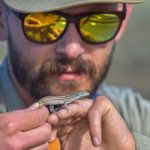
(62, 67)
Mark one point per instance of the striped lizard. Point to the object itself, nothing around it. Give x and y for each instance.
(55, 102)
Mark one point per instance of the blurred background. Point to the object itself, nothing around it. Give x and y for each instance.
(131, 62)
(130, 66)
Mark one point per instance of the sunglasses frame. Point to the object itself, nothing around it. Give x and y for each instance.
(75, 19)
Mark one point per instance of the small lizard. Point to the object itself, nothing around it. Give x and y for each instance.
(55, 102)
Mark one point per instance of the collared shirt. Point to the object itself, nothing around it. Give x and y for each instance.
(9, 97)
(134, 109)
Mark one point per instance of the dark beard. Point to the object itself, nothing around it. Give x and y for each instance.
(36, 82)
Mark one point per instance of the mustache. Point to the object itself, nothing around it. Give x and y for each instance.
(59, 66)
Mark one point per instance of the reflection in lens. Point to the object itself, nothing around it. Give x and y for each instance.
(44, 27)
(99, 27)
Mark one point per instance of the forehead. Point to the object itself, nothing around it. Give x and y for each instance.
(92, 7)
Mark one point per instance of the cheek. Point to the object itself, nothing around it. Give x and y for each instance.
(100, 54)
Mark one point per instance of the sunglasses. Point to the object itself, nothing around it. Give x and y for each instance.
(93, 27)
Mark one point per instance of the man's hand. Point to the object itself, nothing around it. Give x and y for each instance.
(24, 129)
(92, 126)
(107, 127)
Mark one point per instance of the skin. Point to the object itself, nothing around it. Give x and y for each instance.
(107, 129)
(88, 125)
(35, 55)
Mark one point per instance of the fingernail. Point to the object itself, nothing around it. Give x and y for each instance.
(33, 106)
(96, 141)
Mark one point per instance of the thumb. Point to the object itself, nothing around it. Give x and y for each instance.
(33, 106)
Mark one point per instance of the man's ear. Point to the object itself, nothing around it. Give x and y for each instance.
(124, 24)
(3, 27)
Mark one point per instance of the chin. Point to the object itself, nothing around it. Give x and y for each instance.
(67, 88)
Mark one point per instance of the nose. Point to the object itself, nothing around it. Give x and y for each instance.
(71, 44)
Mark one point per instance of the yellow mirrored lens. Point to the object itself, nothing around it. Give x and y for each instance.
(99, 27)
(44, 27)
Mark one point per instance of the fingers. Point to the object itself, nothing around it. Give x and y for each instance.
(95, 115)
(77, 109)
(23, 120)
(33, 118)
(36, 137)
(25, 129)
(30, 139)
(105, 122)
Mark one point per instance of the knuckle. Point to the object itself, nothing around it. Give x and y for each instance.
(101, 106)
(104, 101)
(42, 116)
(8, 126)
(103, 98)
(106, 106)
(40, 120)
